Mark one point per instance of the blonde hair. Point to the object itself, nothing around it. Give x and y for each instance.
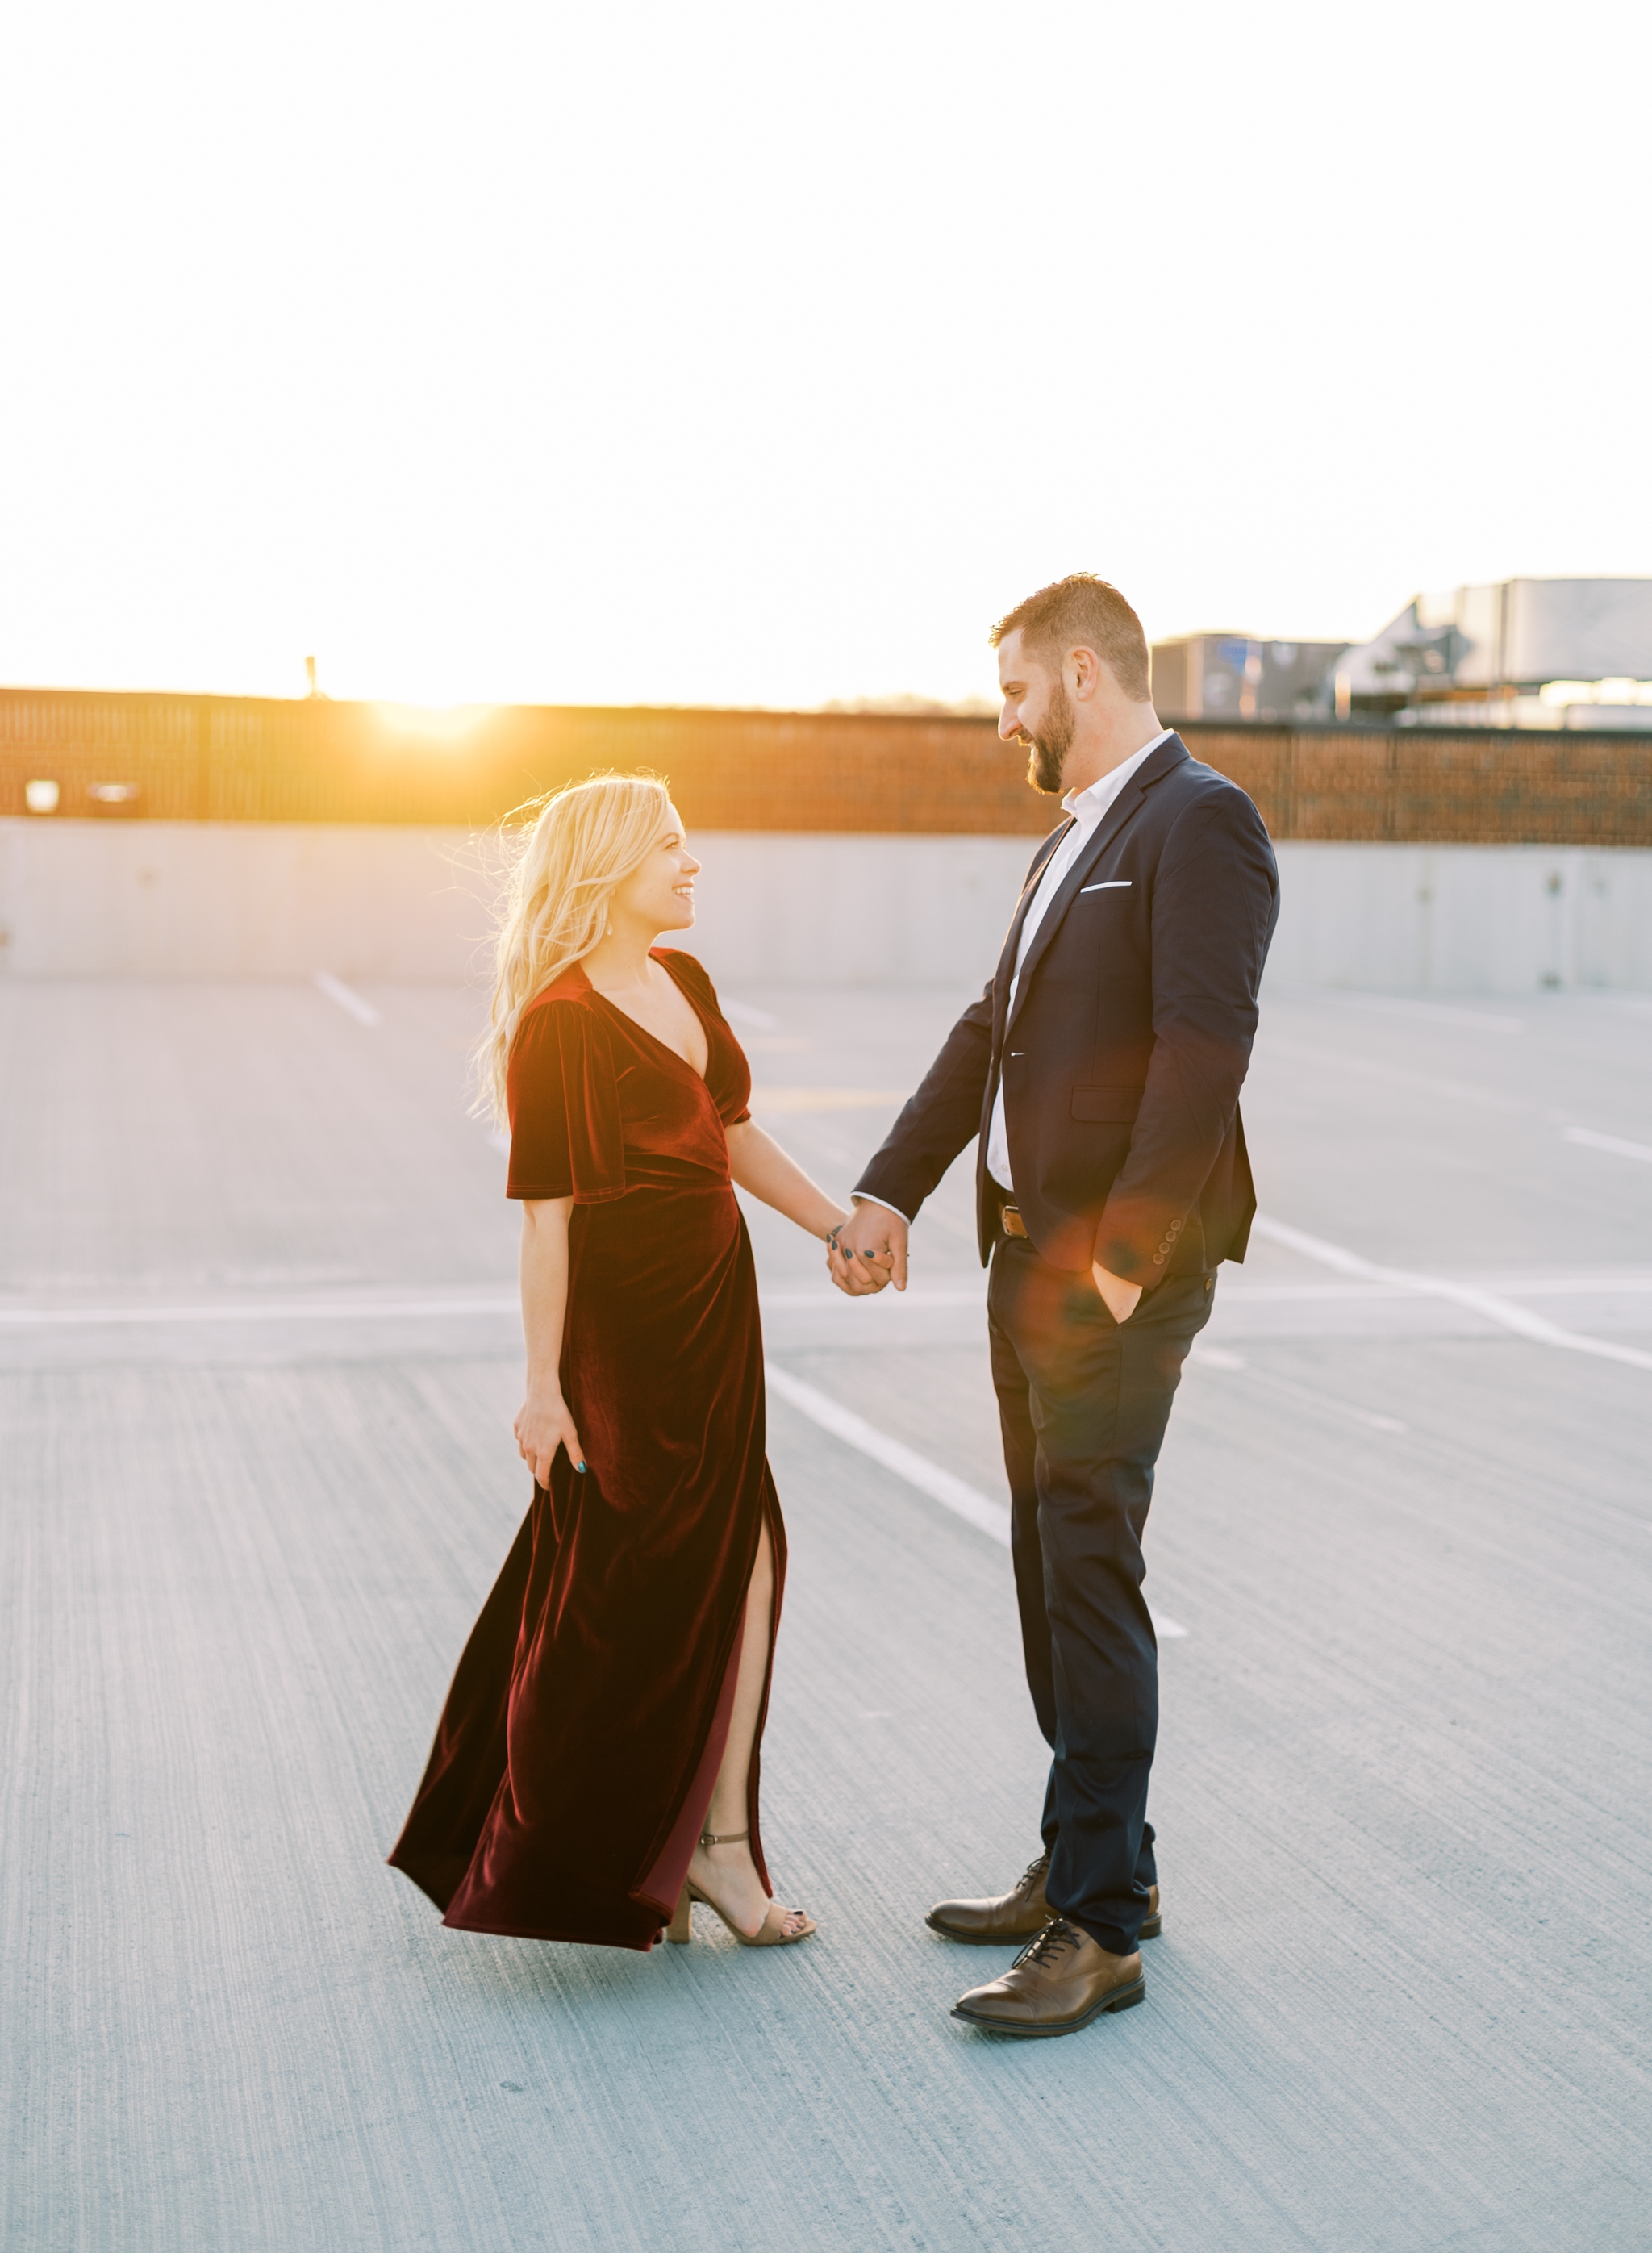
(559, 883)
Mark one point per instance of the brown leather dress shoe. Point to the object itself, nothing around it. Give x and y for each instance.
(1058, 1984)
(1017, 1915)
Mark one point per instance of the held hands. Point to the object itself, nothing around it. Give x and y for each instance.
(868, 1251)
(541, 1426)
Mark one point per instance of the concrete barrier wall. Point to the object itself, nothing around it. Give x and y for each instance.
(1466, 918)
(156, 899)
(185, 899)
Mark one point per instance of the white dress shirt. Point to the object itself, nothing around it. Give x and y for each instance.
(1087, 808)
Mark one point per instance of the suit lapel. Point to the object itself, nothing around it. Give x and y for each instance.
(1005, 970)
(1123, 811)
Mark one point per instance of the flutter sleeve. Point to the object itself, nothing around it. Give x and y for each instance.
(566, 1136)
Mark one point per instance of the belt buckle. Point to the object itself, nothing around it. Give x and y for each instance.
(1010, 1220)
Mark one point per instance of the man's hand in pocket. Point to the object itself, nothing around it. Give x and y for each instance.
(1119, 1298)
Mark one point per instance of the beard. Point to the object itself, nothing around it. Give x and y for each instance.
(1052, 743)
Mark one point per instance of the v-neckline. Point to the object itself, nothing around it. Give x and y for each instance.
(637, 1026)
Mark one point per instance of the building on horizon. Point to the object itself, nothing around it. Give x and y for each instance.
(1522, 653)
(1229, 676)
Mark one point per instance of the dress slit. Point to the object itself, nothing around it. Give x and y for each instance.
(579, 1747)
(663, 1882)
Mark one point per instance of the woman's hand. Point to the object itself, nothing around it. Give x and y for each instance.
(542, 1426)
(542, 1423)
(869, 1252)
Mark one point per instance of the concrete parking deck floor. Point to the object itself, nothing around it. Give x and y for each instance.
(257, 1365)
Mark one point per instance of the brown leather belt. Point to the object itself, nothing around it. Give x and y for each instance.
(1010, 1221)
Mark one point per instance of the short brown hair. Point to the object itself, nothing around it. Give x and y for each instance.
(1084, 612)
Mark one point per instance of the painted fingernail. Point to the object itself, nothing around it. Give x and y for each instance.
(579, 1467)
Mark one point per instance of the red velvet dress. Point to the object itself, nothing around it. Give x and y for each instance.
(574, 1762)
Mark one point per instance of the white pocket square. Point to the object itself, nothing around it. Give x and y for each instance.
(1113, 884)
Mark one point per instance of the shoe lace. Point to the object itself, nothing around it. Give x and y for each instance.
(1055, 1936)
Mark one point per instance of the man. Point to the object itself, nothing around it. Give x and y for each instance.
(1101, 1069)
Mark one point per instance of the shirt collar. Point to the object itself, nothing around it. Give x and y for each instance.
(1087, 806)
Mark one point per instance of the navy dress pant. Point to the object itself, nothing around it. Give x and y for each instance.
(1083, 1402)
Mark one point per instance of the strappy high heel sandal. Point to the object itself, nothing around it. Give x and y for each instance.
(770, 1935)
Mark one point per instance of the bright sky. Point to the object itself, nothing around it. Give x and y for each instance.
(760, 354)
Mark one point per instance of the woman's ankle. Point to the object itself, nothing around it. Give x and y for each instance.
(731, 1838)
(736, 1855)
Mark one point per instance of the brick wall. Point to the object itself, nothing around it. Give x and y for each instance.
(1440, 787)
(251, 759)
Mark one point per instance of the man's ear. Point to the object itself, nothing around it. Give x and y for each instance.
(1086, 667)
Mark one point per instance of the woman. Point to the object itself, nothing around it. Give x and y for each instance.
(596, 1768)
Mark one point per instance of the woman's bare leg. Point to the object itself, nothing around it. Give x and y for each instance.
(729, 1873)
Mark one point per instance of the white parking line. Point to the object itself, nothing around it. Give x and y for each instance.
(1425, 1013)
(773, 1102)
(987, 1516)
(1501, 1311)
(346, 1311)
(1363, 1067)
(1575, 1287)
(1614, 1143)
(1235, 1291)
(1216, 1357)
(827, 1296)
(347, 998)
(1327, 1403)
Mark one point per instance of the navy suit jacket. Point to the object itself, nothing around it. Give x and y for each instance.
(1124, 1055)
